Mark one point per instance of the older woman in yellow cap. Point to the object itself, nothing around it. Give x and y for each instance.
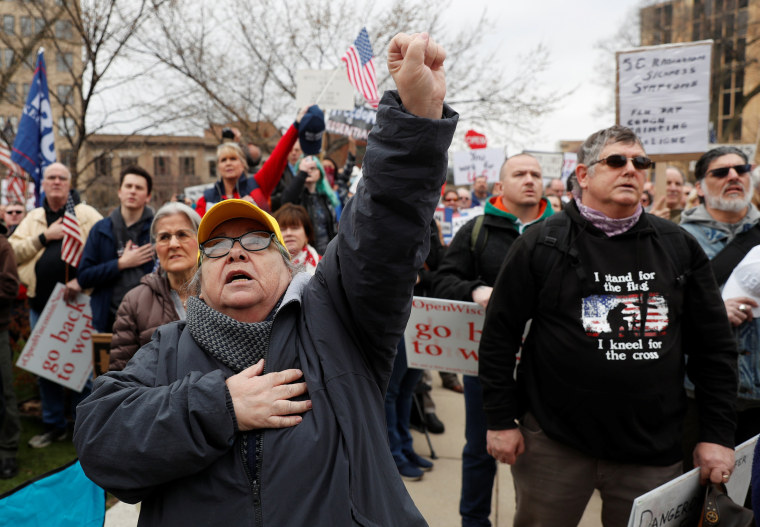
(265, 407)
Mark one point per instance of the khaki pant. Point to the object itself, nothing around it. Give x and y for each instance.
(553, 482)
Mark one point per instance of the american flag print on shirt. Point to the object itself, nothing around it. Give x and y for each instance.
(71, 251)
(599, 313)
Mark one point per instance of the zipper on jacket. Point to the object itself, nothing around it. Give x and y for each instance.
(252, 483)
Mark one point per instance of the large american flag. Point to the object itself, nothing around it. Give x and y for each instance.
(71, 252)
(360, 65)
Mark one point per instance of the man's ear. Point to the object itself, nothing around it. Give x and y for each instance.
(582, 175)
(700, 190)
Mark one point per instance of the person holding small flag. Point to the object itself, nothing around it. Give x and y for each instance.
(48, 246)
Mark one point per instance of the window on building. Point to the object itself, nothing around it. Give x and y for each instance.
(66, 127)
(67, 158)
(65, 93)
(7, 58)
(103, 166)
(63, 29)
(160, 166)
(26, 87)
(64, 61)
(128, 161)
(212, 168)
(186, 166)
(39, 25)
(25, 24)
(9, 24)
(11, 92)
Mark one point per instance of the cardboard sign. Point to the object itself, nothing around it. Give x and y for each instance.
(664, 96)
(551, 163)
(469, 164)
(355, 123)
(60, 347)
(329, 89)
(444, 335)
(679, 502)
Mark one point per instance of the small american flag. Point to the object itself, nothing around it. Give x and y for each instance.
(71, 252)
(360, 65)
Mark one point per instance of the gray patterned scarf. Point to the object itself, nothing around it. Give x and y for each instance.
(238, 345)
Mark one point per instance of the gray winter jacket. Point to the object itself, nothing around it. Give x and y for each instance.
(162, 430)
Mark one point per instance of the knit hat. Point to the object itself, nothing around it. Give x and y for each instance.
(310, 130)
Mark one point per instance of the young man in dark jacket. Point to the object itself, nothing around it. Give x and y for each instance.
(118, 252)
(467, 273)
(617, 299)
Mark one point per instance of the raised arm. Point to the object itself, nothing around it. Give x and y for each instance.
(371, 267)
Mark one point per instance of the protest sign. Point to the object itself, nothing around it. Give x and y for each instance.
(679, 501)
(355, 123)
(444, 335)
(469, 164)
(475, 140)
(551, 163)
(465, 215)
(663, 95)
(196, 191)
(569, 162)
(329, 89)
(60, 348)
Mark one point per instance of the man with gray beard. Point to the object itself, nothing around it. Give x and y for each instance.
(726, 226)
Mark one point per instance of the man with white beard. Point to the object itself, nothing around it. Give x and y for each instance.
(726, 226)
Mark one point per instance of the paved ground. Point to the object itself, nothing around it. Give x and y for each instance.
(437, 494)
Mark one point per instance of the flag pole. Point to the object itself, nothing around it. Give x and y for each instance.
(329, 81)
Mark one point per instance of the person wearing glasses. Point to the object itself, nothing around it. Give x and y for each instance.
(727, 226)
(160, 297)
(14, 213)
(265, 407)
(618, 299)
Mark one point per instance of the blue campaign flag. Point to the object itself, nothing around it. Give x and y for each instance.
(34, 147)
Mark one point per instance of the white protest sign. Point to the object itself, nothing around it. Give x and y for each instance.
(679, 501)
(664, 96)
(196, 191)
(569, 162)
(444, 335)
(551, 163)
(469, 164)
(329, 89)
(60, 347)
(465, 215)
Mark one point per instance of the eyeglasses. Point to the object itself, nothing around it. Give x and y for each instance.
(14, 211)
(723, 171)
(451, 199)
(619, 161)
(182, 235)
(222, 245)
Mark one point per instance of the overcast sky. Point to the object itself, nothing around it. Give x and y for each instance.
(571, 31)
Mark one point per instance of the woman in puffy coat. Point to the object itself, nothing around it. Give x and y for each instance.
(160, 297)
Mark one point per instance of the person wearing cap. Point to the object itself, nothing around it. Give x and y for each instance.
(309, 144)
(232, 166)
(265, 407)
(726, 225)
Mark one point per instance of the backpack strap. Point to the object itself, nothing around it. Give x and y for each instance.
(478, 238)
(726, 260)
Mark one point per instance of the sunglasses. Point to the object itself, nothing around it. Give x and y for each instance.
(619, 161)
(14, 211)
(723, 171)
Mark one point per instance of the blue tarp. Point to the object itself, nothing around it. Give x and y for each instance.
(64, 497)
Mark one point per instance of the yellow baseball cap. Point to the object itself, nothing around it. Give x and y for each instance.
(235, 208)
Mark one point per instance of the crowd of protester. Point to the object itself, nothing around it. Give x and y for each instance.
(145, 269)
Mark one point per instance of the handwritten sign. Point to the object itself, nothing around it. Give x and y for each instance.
(60, 347)
(664, 96)
(329, 89)
(444, 335)
(469, 164)
(679, 501)
(551, 163)
(356, 123)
